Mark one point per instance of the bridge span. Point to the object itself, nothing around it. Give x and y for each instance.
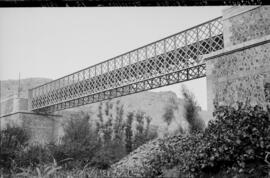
(171, 60)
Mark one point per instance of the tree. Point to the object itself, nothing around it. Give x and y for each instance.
(139, 137)
(128, 132)
(78, 129)
(143, 130)
(119, 125)
(80, 141)
(168, 115)
(111, 128)
(100, 122)
(191, 111)
(147, 128)
(108, 126)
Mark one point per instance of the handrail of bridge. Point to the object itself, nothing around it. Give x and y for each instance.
(173, 42)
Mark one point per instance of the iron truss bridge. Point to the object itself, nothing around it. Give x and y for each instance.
(171, 60)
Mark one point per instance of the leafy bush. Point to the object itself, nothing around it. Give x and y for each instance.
(235, 143)
(178, 150)
(103, 158)
(236, 138)
(12, 140)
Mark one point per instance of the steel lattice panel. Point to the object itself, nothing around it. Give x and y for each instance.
(175, 59)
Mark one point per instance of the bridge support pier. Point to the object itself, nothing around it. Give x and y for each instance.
(241, 71)
(41, 128)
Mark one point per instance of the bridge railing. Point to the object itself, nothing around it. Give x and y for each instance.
(176, 52)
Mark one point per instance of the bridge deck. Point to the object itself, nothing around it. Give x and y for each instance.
(168, 61)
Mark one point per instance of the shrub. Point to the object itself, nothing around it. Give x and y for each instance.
(12, 140)
(178, 150)
(236, 138)
(235, 143)
(103, 158)
(33, 156)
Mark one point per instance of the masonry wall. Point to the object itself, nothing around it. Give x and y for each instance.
(241, 71)
(7, 106)
(42, 128)
(13, 104)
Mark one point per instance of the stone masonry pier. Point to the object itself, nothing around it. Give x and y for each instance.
(241, 71)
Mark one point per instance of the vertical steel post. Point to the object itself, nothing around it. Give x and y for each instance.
(175, 52)
(197, 44)
(210, 37)
(164, 54)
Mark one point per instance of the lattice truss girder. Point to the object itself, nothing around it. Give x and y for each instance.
(144, 85)
(174, 59)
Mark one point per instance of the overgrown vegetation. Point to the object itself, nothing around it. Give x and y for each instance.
(236, 143)
(87, 144)
(12, 140)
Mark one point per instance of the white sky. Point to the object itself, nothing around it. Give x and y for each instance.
(53, 42)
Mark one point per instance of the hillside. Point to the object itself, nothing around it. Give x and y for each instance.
(11, 87)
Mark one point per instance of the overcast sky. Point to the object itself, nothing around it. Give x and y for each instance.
(53, 42)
